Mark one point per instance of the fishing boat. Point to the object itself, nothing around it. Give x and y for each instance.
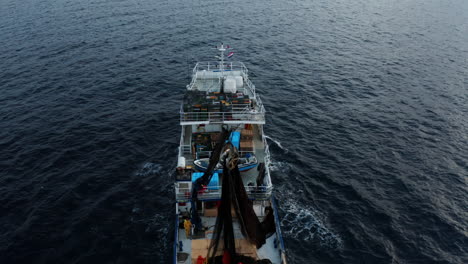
(225, 210)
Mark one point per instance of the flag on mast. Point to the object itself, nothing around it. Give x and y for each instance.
(230, 54)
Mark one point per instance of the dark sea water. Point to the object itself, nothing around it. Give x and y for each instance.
(367, 121)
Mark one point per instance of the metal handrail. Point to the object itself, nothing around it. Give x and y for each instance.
(213, 66)
(185, 150)
(214, 192)
(253, 116)
(250, 85)
(182, 147)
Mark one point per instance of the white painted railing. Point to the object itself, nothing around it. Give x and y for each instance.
(253, 117)
(184, 149)
(215, 66)
(214, 193)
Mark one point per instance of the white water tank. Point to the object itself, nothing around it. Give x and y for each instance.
(230, 85)
(239, 82)
(181, 162)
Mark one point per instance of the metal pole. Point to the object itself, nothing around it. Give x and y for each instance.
(221, 67)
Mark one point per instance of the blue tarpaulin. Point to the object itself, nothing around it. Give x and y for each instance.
(212, 185)
(235, 139)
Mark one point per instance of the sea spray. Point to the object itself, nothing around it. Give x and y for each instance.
(277, 143)
(149, 169)
(304, 223)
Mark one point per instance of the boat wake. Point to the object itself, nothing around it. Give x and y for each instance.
(277, 143)
(153, 243)
(280, 166)
(303, 223)
(149, 169)
(151, 214)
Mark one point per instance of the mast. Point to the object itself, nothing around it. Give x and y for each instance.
(222, 48)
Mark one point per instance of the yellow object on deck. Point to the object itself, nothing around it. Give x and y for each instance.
(187, 227)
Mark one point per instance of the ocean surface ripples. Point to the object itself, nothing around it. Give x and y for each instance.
(367, 121)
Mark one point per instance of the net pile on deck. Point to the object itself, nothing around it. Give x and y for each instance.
(234, 196)
(206, 178)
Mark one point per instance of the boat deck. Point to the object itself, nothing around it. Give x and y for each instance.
(198, 245)
(248, 177)
(208, 100)
(214, 85)
(221, 96)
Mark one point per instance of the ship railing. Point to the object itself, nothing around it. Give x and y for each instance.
(251, 116)
(192, 82)
(250, 85)
(185, 150)
(207, 153)
(214, 66)
(260, 104)
(203, 154)
(214, 192)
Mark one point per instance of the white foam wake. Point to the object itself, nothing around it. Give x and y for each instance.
(303, 223)
(277, 143)
(149, 168)
(280, 166)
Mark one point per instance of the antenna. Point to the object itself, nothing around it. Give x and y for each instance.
(222, 48)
